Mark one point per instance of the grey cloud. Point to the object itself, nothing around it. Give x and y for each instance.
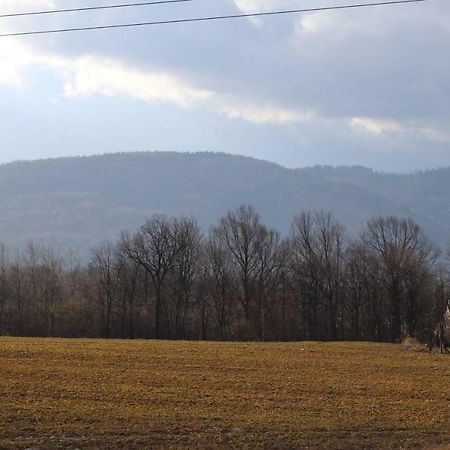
(388, 63)
(392, 64)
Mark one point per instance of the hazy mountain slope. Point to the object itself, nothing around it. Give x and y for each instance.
(75, 202)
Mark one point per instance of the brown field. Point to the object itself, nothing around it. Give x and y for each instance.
(135, 394)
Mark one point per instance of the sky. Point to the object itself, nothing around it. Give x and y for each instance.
(367, 86)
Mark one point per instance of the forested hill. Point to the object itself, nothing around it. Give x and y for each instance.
(76, 202)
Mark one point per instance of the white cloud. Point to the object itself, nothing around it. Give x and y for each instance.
(377, 126)
(380, 127)
(259, 6)
(434, 134)
(14, 58)
(14, 55)
(314, 23)
(90, 75)
(87, 76)
(341, 25)
(20, 6)
(255, 6)
(251, 7)
(265, 113)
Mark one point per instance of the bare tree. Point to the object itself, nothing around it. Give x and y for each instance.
(238, 231)
(268, 274)
(240, 282)
(184, 272)
(363, 294)
(155, 247)
(316, 243)
(284, 294)
(252, 248)
(51, 289)
(401, 250)
(4, 286)
(218, 278)
(18, 297)
(128, 288)
(105, 267)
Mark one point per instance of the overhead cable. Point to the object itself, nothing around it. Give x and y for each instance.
(210, 18)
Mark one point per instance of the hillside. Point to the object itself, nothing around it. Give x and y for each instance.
(76, 202)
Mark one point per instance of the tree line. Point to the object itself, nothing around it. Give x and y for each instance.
(239, 281)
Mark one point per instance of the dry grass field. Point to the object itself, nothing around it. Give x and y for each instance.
(136, 394)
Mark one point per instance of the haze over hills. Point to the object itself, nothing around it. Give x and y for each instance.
(77, 202)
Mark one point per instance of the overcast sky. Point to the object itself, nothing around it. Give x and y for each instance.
(368, 86)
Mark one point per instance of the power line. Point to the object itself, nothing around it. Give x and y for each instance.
(211, 18)
(91, 8)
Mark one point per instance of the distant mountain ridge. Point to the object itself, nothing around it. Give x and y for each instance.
(76, 202)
